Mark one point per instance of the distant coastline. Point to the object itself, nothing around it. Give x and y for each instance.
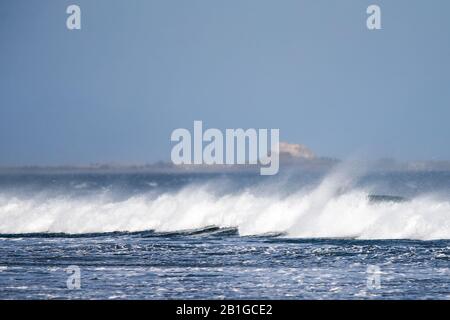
(286, 163)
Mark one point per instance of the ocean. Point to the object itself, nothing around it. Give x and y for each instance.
(298, 235)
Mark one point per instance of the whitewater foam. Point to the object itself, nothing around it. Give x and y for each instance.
(332, 209)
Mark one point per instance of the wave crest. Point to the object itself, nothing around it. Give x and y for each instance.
(321, 212)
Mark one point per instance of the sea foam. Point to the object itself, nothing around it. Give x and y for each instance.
(333, 208)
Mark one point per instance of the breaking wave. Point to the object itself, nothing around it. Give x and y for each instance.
(333, 209)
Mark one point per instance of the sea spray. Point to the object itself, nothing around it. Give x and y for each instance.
(334, 207)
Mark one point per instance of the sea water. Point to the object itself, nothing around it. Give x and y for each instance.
(300, 235)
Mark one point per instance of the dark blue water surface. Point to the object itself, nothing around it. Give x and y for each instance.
(209, 262)
(221, 266)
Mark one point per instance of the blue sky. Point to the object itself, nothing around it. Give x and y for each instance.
(114, 90)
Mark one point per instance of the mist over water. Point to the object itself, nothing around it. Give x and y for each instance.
(304, 235)
(332, 205)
